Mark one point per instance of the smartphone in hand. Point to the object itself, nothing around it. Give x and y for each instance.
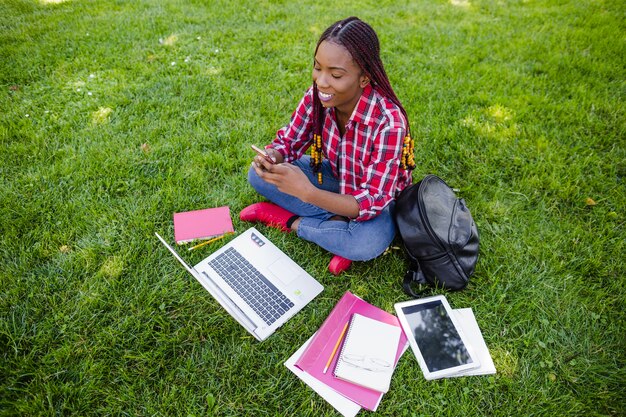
(262, 153)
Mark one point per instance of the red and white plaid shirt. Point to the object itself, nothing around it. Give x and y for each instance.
(366, 160)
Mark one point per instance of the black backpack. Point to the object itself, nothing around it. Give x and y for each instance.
(439, 235)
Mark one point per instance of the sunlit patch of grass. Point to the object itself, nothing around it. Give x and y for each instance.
(102, 115)
(496, 122)
(112, 267)
(169, 41)
(505, 362)
(213, 71)
(460, 3)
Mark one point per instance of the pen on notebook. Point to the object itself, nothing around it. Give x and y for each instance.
(209, 241)
(332, 355)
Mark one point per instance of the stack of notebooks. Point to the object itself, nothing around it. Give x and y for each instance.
(349, 361)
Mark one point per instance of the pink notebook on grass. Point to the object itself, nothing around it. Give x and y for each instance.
(202, 224)
(315, 356)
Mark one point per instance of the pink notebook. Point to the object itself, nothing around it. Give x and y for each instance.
(314, 358)
(202, 224)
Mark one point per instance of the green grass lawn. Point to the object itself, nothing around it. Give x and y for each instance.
(115, 114)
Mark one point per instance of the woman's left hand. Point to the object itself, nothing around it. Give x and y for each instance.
(288, 178)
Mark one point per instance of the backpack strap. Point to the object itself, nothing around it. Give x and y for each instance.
(414, 276)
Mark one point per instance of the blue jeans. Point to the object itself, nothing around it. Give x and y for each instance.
(357, 241)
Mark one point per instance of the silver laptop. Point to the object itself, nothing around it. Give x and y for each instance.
(254, 281)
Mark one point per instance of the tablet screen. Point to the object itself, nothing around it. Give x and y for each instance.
(438, 340)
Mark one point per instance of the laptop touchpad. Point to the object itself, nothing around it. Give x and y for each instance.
(284, 270)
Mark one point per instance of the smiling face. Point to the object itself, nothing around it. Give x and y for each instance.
(340, 81)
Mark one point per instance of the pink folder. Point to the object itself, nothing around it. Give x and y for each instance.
(202, 224)
(314, 358)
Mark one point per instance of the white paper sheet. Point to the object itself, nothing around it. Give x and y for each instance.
(346, 407)
(467, 320)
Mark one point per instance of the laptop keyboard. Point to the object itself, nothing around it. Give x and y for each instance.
(261, 295)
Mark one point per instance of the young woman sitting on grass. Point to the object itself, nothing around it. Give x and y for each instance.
(341, 197)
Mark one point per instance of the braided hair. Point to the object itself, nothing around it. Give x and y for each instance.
(362, 43)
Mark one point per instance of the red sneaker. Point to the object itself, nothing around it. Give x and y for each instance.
(267, 213)
(338, 265)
